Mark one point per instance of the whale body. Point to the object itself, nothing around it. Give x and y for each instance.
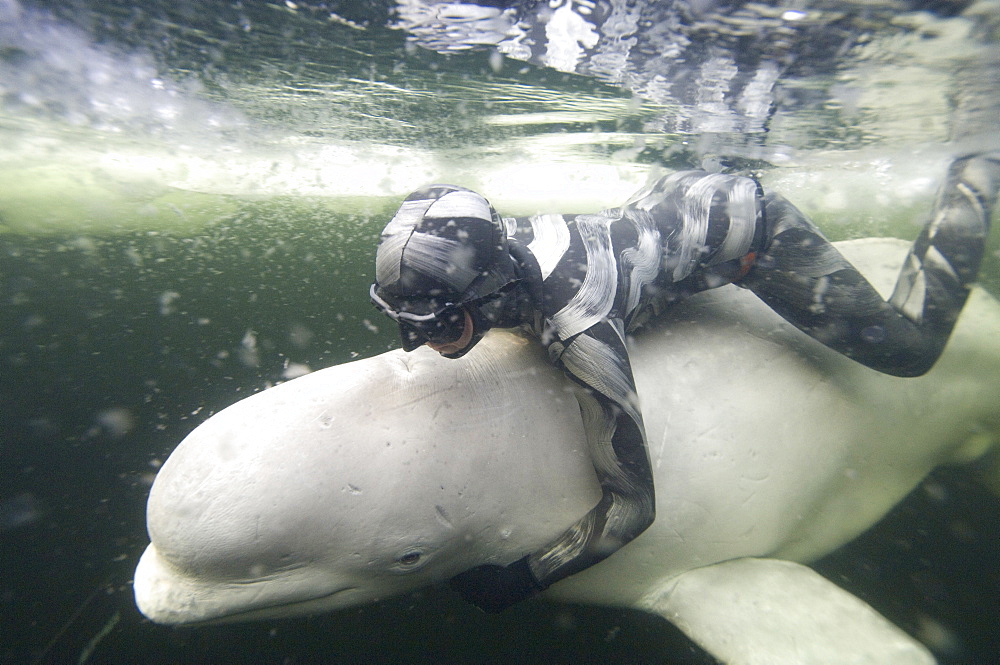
(383, 475)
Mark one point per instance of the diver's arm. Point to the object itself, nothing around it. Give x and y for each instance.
(598, 361)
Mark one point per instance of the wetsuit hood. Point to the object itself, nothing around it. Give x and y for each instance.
(444, 250)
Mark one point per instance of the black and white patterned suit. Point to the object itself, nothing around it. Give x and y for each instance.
(600, 273)
(581, 282)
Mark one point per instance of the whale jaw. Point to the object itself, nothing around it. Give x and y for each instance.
(166, 595)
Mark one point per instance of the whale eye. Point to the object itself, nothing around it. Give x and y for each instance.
(411, 558)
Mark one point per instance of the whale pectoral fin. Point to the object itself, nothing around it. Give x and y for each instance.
(767, 611)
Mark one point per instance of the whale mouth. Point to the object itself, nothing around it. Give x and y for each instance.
(167, 596)
(271, 611)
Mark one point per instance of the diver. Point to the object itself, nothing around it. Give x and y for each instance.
(449, 268)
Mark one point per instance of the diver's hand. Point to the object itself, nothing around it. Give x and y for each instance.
(495, 588)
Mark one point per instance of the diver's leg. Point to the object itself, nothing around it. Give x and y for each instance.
(806, 280)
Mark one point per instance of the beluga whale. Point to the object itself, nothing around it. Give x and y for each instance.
(384, 475)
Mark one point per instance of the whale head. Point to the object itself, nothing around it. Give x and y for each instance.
(336, 489)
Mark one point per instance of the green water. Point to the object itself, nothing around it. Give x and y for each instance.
(182, 244)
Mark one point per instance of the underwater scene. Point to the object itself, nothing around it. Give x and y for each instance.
(191, 196)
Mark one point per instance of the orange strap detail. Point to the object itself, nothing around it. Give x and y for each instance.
(746, 262)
